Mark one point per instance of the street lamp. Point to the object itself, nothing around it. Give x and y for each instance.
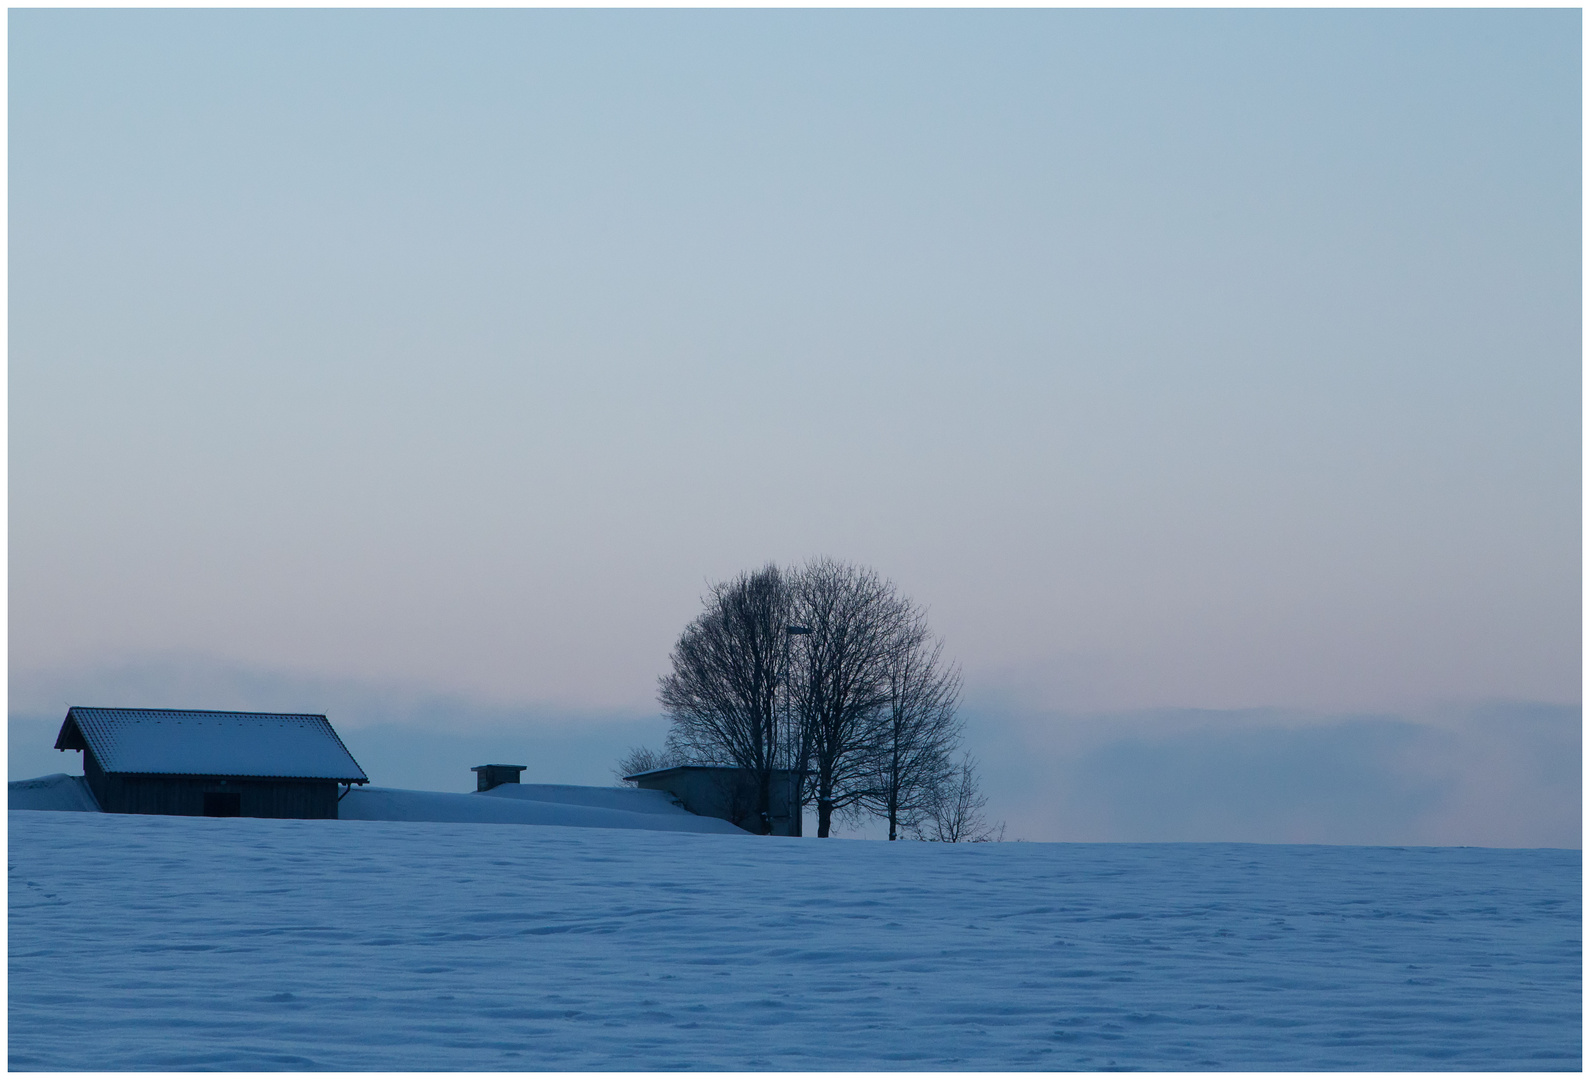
(792, 773)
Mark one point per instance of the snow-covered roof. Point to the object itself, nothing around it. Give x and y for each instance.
(192, 742)
(698, 769)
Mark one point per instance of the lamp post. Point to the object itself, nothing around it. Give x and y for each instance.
(794, 775)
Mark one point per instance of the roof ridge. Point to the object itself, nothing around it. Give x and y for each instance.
(196, 712)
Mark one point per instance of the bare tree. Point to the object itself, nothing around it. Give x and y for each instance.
(839, 679)
(826, 671)
(641, 759)
(955, 810)
(727, 667)
(911, 760)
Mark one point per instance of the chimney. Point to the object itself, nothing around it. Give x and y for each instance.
(489, 776)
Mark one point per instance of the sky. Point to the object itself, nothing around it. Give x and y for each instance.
(1207, 376)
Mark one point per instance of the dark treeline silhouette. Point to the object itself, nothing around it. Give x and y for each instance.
(825, 671)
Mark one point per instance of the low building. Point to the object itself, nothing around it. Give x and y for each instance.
(212, 764)
(728, 793)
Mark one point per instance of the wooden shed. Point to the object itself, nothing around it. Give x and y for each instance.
(212, 764)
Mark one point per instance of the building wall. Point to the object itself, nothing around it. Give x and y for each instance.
(729, 794)
(120, 793)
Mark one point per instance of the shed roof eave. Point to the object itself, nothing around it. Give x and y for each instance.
(696, 768)
(670, 769)
(241, 776)
(71, 736)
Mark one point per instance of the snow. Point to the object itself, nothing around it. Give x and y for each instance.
(508, 804)
(54, 792)
(215, 743)
(638, 800)
(558, 804)
(163, 943)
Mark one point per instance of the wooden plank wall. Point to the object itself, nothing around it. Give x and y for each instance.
(120, 793)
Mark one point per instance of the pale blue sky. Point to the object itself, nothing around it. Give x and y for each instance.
(1173, 359)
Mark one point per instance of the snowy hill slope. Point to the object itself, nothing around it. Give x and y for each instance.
(160, 943)
(635, 800)
(557, 806)
(57, 791)
(509, 804)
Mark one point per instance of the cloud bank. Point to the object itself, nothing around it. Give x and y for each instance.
(1503, 774)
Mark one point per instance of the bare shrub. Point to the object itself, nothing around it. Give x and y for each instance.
(955, 810)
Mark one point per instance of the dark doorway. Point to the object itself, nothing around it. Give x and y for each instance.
(223, 804)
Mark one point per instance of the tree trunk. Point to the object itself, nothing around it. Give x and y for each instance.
(894, 779)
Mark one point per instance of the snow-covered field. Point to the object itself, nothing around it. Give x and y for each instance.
(163, 943)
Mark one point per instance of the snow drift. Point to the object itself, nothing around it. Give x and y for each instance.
(536, 804)
(57, 791)
(508, 804)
